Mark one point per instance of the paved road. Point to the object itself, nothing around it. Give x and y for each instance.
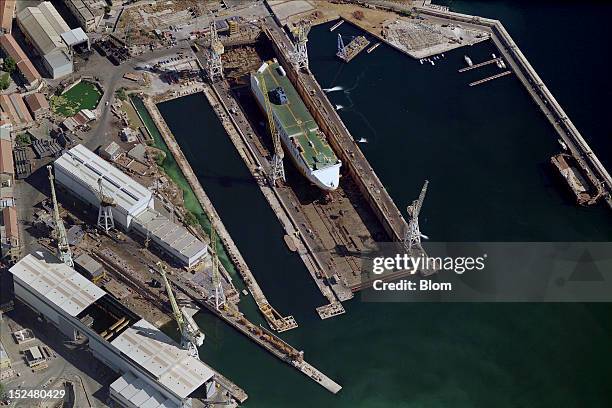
(111, 77)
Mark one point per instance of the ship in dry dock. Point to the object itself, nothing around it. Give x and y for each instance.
(298, 130)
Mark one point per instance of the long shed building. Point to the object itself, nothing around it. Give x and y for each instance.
(79, 170)
(154, 371)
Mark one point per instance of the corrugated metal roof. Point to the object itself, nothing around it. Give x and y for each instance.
(36, 101)
(158, 354)
(87, 167)
(53, 16)
(40, 30)
(170, 235)
(74, 37)
(6, 157)
(133, 389)
(57, 282)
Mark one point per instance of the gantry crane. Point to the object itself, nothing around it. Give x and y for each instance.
(277, 170)
(105, 212)
(191, 335)
(63, 249)
(299, 56)
(219, 295)
(412, 240)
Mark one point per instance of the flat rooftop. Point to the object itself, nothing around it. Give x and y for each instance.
(296, 119)
(170, 234)
(158, 354)
(57, 282)
(88, 167)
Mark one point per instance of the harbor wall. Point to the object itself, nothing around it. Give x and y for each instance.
(590, 165)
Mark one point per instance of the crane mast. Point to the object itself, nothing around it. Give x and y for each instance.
(413, 237)
(63, 249)
(216, 279)
(277, 171)
(191, 336)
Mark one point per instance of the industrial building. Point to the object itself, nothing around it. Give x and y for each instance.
(27, 70)
(43, 28)
(16, 111)
(80, 171)
(88, 13)
(154, 371)
(38, 105)
(7, 13)
(9, 234)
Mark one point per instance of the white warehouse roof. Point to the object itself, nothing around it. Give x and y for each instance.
(87, 167)
(57, 282)
(43, 25)
(170, 365)
(74, 37)
(138, 393)
(172, 237)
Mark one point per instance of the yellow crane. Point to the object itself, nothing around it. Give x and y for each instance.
(219, 295)
(191, 335)
(63, 249)
(277, 170)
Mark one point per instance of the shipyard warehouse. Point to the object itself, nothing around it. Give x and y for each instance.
(154, 371)
(86, 175)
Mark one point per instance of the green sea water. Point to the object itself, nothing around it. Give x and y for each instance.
(486, 153)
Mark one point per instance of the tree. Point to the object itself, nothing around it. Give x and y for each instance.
(121, 95)
(5, 81)
(9, 65)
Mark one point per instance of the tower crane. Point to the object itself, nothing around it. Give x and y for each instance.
(63, 249)
(299, 56)
(412, 240)
(219, 295)
(277, 170)
(191, 335)
(214, 65)
(105, 213)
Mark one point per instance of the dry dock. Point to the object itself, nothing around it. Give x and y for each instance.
(261, 336)
(275, 319)
(340, 139)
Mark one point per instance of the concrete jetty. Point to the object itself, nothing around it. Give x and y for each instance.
(275, 319)
(264, 338)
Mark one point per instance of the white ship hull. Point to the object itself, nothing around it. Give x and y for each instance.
(327, 178)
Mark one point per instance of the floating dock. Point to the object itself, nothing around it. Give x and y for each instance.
(352, 49)
(338, 24)
(372, 48)
(482, 64)
(492, 77)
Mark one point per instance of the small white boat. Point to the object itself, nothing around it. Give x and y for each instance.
(468, 60)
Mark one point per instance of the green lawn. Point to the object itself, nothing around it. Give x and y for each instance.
(83, 95)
